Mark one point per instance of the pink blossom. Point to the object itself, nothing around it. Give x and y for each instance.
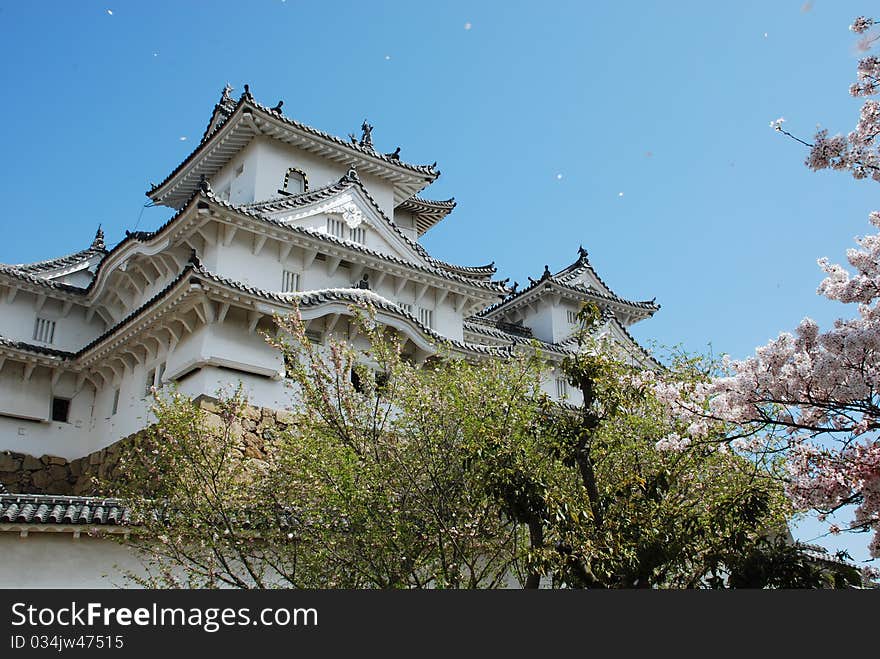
(861, 24)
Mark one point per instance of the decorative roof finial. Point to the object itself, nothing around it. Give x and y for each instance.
(277, 108)
(352, 173)
(227, 93)
(514, 287)
(366, 135)
(353, 138)
(364, 283)
(247, 91)
(98, 242)
(434, 165)
(546, 274)
(194, 259)
(582, 253)
(204, 186)
(395, 155)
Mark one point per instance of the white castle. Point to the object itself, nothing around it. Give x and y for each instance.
(270, 213)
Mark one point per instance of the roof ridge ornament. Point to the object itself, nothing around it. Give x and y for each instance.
(582, 253)
(247, 92)
(395, 155)
(366, 135)
(98, 242)
(227, 93)
(352, 174)
(546, 274)
(194, 259)
(277, 108)
(205, 186)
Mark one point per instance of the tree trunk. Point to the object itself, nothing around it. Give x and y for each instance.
(536, 541)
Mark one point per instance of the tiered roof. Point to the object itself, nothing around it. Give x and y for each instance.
(232, 126)
(63, 264)
(567, 281)
(270, 209)
(195, 273)
(428, 212)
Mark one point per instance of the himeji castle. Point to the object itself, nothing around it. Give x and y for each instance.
(269, 215)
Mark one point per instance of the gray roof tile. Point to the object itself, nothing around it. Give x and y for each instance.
(51, 509)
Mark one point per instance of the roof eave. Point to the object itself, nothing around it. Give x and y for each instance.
(407, 179)
(543, 286)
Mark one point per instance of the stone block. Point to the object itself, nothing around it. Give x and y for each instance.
(11, 481)
(31, 463)
(41, 479)
(285, 416)
(83, 486)
(9, 462)
(209, 406)
(58, 473)
(60, 487)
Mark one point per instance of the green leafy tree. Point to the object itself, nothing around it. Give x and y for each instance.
(450, 474)
(607, 505)
(374, 483)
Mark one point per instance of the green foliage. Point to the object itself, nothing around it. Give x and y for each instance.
(396, 473)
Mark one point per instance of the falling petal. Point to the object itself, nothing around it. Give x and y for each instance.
(619, 194)
(387, 57)
(110, 12)
(183, 138)
(559, 177)
(467, 26)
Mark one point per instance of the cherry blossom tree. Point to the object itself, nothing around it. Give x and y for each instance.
(814, 396)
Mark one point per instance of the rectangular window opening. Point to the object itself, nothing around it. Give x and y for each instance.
(289, 281)
(44, 330)
(115, 402)
(561, 388)
(358, 235)
(426, 317)
(335, 227)
(60, 409)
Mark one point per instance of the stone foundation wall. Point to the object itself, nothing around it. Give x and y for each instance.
(25, 474)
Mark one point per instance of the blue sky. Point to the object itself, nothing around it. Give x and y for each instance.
(637, 129)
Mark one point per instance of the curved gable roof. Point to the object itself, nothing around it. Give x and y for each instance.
(232, 127)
